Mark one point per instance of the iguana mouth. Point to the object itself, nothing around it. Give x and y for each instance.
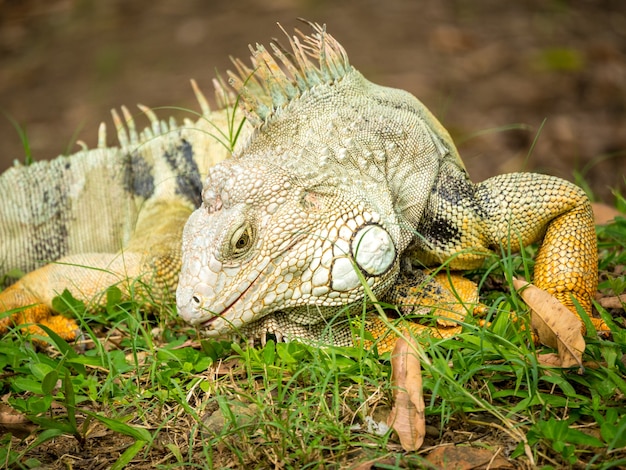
(208, 324)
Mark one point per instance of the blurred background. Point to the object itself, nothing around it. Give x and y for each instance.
(527, 85)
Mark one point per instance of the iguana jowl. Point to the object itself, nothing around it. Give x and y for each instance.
(342, 182)
(345, 183)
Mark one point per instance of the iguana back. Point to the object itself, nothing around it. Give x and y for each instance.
(91, 201)
(76, 204)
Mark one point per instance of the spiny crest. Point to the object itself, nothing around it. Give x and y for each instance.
(312, 60)
(127, 133)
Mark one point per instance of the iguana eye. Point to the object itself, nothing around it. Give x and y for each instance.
(241, 241)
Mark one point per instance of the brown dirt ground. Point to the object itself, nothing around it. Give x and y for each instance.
(478, 65)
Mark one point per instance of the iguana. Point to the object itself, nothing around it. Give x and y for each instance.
(336, 186)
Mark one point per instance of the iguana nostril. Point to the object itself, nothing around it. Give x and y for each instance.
(196, 300)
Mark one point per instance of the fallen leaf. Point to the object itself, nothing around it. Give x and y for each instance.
(407, 415)
(555, 325)
(231, 367)
(239, 414)
(376, 463)
(15, 422)
(467, 458)
(603, 214)
(549, 359)
(617, 301)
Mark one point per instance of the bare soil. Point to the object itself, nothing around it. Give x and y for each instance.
(482, 67)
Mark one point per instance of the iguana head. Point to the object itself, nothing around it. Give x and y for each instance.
(265, 241)
(319, 200)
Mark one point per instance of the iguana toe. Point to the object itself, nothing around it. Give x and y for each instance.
(24, 311)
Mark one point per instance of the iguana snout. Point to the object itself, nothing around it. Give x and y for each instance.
(262, 242)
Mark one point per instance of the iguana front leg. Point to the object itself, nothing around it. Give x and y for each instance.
(85, 276)
(465, 222)
(152, 257)
(524, 208)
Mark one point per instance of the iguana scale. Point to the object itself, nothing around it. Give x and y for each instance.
(340, 184)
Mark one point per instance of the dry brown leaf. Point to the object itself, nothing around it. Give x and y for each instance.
(232, 367)
(617, 301)
(407, 415)
(15, 422)
(603, 214)
(556, 326)
(549, 359)
(379, 462)
(467, 458)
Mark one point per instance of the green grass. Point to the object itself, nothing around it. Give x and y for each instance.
(148, 393)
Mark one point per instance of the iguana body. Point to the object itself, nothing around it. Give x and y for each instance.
(342, 182)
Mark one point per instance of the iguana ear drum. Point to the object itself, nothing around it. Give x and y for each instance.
(374, 253)
(373, 249)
